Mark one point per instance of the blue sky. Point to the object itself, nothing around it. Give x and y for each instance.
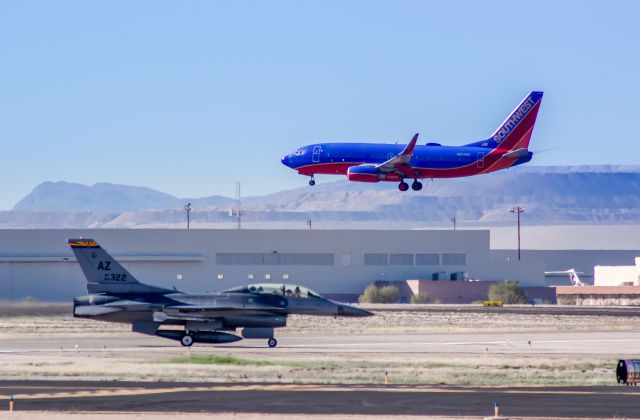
(189, 97)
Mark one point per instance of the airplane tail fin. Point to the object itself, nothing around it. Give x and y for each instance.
(515, 131)
(103, 273)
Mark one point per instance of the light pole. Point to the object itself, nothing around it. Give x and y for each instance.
(187, 209)
(453, 220)
(518, 210)
(309, 223)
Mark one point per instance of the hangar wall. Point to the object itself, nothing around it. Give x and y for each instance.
(582, 260)
(38, 262)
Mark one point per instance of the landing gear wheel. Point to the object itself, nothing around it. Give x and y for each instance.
(416, 185)
(272, 342)
(403, 186)
(312, 181)
(186, 340)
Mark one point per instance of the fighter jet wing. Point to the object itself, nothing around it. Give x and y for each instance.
(399, 162)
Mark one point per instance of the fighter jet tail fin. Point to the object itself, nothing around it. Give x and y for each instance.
(104, 274)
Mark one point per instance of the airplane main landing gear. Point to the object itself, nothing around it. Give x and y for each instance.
(312, 181)
(403, 186)
(416, 185)
(272, 342)
(186, 340)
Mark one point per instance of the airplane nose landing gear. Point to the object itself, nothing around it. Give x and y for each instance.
(416, 185)
(403, 186)
(272, 342)
(312, 181)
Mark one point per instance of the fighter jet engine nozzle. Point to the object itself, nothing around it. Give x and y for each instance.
(351, 311)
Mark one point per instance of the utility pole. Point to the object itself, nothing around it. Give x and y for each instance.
(187, 209)
(518, 210)
(453, 220)
(238, 211)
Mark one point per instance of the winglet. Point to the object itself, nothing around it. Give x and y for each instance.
(408, 151)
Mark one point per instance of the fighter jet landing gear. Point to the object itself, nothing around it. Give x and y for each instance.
(186, 340)
(416, 185)
(403, 186)
(272, 342)
(312, 181)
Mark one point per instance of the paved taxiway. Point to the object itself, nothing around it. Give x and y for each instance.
(561, 342)
(323, 399)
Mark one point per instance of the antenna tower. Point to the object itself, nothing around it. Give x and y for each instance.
(238, 211)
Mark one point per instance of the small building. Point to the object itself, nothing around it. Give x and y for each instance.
(622, 275)
(598, 295)
(461, 292)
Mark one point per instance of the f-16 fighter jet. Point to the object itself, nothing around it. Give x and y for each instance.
(116, 296)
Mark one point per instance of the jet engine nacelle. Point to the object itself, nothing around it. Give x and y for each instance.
(365, 173)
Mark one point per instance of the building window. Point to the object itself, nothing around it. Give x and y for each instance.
(345, 260)
(427, 259)
(267, 276)
(274, 258)
(401, 259)
(376, 259)
(454, 259)
(250, 276)
(285, 277)
(239, 259)
(178, 276)
(220, 276)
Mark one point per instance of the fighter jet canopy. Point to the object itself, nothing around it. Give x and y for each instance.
(291, 290)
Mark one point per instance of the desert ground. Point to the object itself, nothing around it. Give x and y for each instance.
(450, 346)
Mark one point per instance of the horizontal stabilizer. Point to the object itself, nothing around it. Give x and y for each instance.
(517, 154)
(93, 310)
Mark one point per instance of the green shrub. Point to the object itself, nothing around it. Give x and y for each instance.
(375, 294)
(508, 292)
(421, 298)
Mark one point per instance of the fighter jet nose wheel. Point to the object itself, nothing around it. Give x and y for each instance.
(416, 185)
(403, 186)
(272, 342)
(186, 340)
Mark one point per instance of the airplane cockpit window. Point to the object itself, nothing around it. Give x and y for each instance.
(290, 290)
(298, 152)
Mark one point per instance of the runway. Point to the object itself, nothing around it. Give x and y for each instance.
(70, 364)
(322, 399)
(565, 342)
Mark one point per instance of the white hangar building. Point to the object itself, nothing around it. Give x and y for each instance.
(40, 264)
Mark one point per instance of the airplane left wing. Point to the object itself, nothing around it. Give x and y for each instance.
(399, 163)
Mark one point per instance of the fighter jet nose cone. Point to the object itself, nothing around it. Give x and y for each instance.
(347, 310)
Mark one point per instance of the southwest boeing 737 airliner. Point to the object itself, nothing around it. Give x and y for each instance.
(370, 162)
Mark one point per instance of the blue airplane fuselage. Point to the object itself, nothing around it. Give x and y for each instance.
(374, 162)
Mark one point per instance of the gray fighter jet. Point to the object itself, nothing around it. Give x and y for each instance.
(116, 296)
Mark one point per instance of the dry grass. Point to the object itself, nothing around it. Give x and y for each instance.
(496, 367)
(488, 370)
